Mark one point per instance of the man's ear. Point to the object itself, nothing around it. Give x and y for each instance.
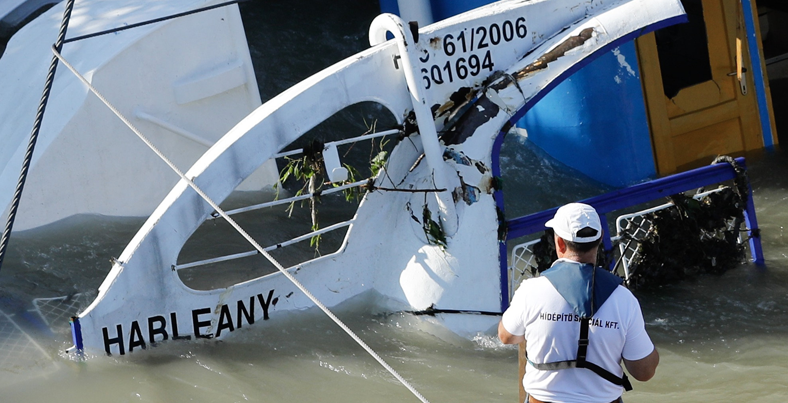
(560, 245)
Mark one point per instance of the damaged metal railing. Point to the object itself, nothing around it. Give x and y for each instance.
(522, 261)
(332, 147)
(637, 225)
(328, 146)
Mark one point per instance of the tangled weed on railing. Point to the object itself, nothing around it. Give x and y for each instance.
(310, 171)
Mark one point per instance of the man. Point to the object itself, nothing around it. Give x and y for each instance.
(575, 338)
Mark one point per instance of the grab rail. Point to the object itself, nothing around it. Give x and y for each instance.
(342, 142)
(241, 255)
(259, 206)
(310, 195)
(289, 199)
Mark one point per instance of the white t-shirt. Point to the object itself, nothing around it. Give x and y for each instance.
(551, 331)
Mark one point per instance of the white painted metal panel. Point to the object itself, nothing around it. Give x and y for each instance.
(193, 73)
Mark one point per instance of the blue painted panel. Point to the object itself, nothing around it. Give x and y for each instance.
(758, 76)
(596, 121)
(389, 6)
(442, 9)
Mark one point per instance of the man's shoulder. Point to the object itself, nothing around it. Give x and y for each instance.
(623, 295)
(539, 281)
(535, 285)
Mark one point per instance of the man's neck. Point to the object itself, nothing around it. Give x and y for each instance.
(589, 258)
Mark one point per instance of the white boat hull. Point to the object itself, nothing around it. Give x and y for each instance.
(385, 250)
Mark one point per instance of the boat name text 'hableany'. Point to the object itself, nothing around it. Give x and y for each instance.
(160, 329)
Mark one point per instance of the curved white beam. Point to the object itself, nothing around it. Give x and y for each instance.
(383, 250)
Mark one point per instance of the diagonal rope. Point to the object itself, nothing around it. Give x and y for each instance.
(31, 145)
(240, 230)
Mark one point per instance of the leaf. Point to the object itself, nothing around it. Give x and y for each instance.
(315, 240)
(378, 162)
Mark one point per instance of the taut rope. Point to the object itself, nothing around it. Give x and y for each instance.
(240, 230)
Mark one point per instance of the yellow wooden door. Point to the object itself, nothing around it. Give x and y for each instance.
(717, 112)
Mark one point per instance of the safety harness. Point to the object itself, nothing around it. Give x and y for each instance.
(586, 288)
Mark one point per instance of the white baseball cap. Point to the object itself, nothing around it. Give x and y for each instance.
(571, 218)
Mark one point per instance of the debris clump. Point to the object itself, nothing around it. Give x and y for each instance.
(691, 238)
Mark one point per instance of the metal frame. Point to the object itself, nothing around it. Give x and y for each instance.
(638, 194)
(300, 238)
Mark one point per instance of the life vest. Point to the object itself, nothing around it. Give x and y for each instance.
(585, 288)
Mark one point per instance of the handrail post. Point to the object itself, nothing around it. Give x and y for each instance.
(750, 220)
(433, 151)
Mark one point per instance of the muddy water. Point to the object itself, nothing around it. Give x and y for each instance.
(720, 337)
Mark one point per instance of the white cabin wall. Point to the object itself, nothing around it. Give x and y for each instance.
(416, 10)
(193, 73)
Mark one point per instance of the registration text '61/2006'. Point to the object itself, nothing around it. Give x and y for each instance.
(470, 40)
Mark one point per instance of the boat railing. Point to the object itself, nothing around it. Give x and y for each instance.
(56, 311)
(289, 200)
(522, 265)
(20, 349)
(522, 262)
(331, 162)
(331, 146)
(637, 225)
(241, 255)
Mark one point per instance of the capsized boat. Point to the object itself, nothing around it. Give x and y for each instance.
(427, 231)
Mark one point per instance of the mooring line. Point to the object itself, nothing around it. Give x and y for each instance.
(240, 230)
(31, 145)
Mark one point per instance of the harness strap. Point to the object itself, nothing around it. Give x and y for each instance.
(582, 343)
(620, 381)
(551, 366)
(580, 362)
(605, 374)
(586, 288)
(582, 349)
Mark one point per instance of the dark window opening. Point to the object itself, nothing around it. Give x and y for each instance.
(684, 51)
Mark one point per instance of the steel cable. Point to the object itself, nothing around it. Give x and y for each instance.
(31, 145)
(241, 230)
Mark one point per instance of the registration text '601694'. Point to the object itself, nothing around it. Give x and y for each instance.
(470, 51)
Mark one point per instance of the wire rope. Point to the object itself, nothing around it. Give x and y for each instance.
(31, 145)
